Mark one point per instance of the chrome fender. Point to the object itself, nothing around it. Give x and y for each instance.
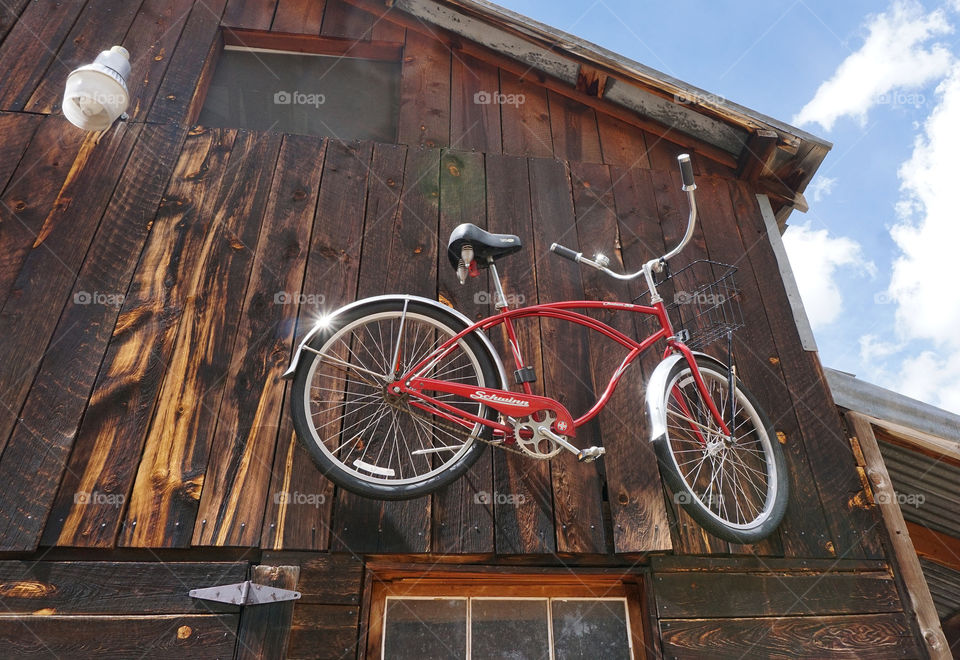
(319, 327)
(656, 412)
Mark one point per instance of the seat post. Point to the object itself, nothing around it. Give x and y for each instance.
(500, 301)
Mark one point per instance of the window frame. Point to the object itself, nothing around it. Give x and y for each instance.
(283, 43)
(502, 582)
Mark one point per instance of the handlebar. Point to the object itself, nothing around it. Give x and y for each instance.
(654, 265)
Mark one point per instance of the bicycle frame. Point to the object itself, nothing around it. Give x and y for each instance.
(514, 404)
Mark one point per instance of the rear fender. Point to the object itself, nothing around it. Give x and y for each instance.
(453, 314)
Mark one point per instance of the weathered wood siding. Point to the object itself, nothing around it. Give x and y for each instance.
(154, 280)
(151, 414)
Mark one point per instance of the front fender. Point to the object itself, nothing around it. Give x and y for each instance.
(323, 323)
(657, 384)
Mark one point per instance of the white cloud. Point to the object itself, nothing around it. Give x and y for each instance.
(895, 56)
(822, 186)
(816, 257)
(925, 283)
(921, 374)
(872, 348)
(931, 377)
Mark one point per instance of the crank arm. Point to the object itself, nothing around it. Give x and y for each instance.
(587, 455)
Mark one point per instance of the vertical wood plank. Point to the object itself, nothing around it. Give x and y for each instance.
(50, 254)
(34, 461)
(526, 125)
(424, 117)
(524, 523)
(577, 488)
(32, 45)
(9, 13)
(249, 14)
(393, 234)
(32, 190)
(166, 493)
(341, 19)
(758, 365)
(151, 40)
(574, 129)
(264, 630)
(854, 530)
(110, 439)
(18, 131)
(672, 208)
(238, 474)
(183, 76)
(621, 143)
(298, 16)
(635, 493)
(333, 267)
(474, 105)
(94, 31)
(461, 521)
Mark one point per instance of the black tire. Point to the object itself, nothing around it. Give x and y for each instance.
(336, 393)
(750, 504)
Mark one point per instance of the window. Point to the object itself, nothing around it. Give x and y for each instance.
(553, 617)
(339, 96)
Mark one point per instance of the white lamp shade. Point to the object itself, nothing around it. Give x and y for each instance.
(96, 94)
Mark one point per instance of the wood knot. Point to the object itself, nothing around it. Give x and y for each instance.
(26, 589)
(623, 498)
(453, 169)
(184, 631)
(774, 360)
(299, 194)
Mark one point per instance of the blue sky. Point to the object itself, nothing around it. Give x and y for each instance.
(876, 256)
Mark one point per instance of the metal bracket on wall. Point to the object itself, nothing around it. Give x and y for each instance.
(245, 593)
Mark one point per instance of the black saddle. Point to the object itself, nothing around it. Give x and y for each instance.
(485, 245)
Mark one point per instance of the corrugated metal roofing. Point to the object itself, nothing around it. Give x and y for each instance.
(928, 490)
(944, 586)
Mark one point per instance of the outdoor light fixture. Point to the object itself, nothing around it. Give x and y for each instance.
(96, 94)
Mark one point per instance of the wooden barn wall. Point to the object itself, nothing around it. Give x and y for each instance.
(169, 43)
(155, 278)
(166, 274)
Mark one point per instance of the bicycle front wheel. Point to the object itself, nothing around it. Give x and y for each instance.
(735, 487)
(372, 442)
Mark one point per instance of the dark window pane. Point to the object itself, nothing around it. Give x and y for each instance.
(422, 629)
(509, 629)
(341, 97)
(590, 629)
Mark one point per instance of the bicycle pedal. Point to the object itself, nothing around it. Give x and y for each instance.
(590, 454)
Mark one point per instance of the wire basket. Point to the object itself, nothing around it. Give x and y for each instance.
(703, 302)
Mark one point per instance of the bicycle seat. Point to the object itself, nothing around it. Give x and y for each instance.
(484, 244)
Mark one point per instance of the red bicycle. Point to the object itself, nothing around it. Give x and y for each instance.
(396, 396)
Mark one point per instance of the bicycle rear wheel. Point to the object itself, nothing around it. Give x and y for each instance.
(372, 442)
(735, 488)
